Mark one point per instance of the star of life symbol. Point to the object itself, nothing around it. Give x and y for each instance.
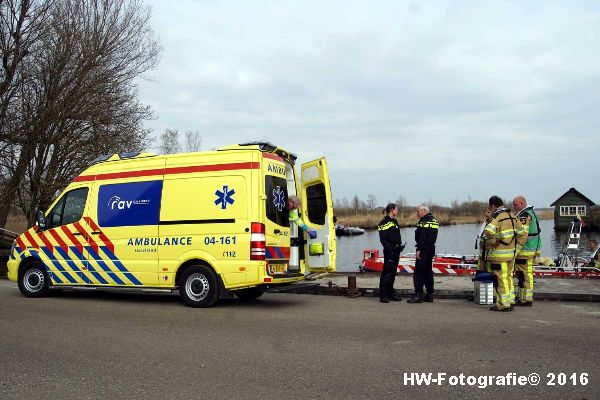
(278, 198)
(224, 197)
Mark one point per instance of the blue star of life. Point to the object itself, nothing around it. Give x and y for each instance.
(279, 198)
(224, 197)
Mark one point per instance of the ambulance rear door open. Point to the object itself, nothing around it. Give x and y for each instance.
(317, 213)
(277, 223)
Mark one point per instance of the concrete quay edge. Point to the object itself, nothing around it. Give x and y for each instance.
(325, 285)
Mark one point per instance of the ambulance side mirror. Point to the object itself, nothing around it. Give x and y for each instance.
(41, 220)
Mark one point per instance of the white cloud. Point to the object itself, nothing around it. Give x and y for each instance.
(434, 100)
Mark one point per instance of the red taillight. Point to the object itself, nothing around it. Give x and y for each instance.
(257, 241)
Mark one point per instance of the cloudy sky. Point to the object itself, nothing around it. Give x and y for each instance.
(434, 101)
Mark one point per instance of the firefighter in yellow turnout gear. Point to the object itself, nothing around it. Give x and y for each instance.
(531, 249)
(502, 237)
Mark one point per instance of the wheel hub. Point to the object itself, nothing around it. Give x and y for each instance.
(33, 280)
(197, 286)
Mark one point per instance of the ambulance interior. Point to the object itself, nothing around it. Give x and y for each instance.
(296, 241)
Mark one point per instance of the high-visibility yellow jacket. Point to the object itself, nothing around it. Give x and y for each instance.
(595, 258)
(503, 236)
(295, 218)
(533, 246)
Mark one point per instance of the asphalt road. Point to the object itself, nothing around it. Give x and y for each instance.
(286, 346)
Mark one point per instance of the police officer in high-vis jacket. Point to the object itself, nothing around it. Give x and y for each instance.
(425, 238)
(502, 236)
(531, 249)
(389, 235)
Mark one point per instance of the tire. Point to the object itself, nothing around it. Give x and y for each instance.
(198, 287)
(250, 294)
(33, 280)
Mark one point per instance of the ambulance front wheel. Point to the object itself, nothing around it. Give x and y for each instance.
(33, 280)
(198, 287)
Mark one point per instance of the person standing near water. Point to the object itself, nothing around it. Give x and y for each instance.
(391, 240)
(527, 253)
(501, 239)
(425, 237)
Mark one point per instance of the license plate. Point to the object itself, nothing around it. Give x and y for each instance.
(278, 269)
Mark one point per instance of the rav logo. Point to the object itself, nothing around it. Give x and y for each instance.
(116, 201)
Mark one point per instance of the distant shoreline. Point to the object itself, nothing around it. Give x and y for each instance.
(370, 220)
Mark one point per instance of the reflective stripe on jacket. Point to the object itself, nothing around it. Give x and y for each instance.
(533, 245)
(503, 236)
(426, 235)
(295, 218)
(389, 234)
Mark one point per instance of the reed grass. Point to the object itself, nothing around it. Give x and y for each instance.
(366, 220)
(370, 220)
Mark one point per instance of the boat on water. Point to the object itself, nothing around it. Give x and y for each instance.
(453, 264)
(341, 230)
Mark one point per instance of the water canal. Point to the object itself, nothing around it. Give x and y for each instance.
(454, 239)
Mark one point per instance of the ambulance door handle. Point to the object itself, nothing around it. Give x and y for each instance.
(96, 232)
(76, 233)
(276, 231)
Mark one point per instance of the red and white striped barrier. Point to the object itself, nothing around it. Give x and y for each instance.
(451, 264)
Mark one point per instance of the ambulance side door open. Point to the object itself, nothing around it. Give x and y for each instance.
(317, 213)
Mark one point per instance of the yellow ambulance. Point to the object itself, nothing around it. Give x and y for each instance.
(209, 224)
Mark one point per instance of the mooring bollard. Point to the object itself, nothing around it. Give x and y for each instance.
(352, 283)
(352, 291)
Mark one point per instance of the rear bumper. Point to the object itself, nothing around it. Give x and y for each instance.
(283, 279)
(293, 287)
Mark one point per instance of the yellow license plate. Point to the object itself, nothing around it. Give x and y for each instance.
(278, 268)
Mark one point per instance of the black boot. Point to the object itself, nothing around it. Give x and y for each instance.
(428, 298)
(417, 298)
(395, 297)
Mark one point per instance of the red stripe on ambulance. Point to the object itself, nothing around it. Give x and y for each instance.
(87, 237)
(31, 240)
(168, 171)
(102, 236)
(61, 243)
(46, 241)
(272, 156)
(72, 238)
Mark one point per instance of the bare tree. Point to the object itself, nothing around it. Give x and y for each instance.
(21, 24)
(401, 202)
(355, 204)
(371, 202)
(169, 142)
(193, 141)
(77, 99)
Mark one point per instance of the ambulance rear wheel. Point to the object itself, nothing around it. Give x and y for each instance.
(198, 287)
(33, 280)
(250, 293)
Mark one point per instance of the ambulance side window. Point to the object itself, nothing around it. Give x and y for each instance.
(317, 203)
(276, 191)
(69, 208)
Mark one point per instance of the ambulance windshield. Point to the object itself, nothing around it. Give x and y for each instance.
(276, 191)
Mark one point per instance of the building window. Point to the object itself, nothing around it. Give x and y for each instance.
(572, 211)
